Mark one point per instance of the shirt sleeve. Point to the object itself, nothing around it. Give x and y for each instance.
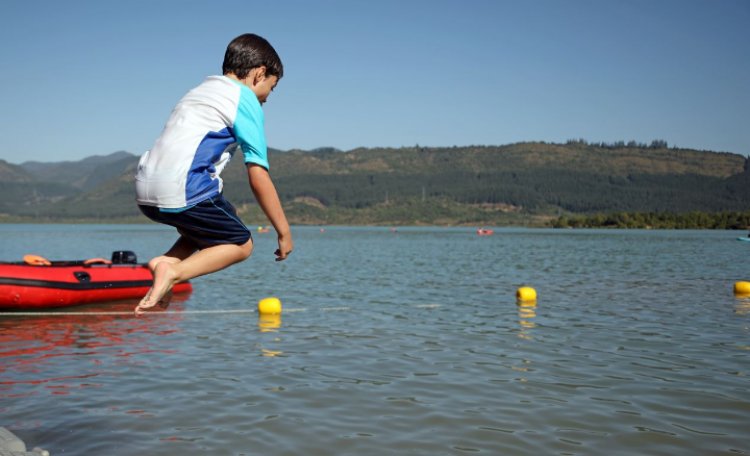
(249, 129)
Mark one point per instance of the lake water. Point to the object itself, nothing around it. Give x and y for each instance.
(406, 342)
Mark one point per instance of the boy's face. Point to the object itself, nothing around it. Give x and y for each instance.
(261, 84)
(264, 88)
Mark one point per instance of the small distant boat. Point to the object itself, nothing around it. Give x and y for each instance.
(263, 229)
(37, 283)
(746, 239)
(485, 232)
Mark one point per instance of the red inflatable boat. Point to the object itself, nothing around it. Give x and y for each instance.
(37, 283)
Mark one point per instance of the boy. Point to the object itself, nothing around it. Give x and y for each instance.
(178, 183)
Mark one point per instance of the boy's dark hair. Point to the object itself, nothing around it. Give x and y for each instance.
(250, 51)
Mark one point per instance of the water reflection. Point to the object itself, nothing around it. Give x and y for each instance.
(526, 315)
(742, 306)
(39, 350)
(270, 323)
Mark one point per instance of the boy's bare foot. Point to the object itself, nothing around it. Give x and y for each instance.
(164, 278)
(165, 301)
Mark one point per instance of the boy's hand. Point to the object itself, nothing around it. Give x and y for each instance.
(285, 248)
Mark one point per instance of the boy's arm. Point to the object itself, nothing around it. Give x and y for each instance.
(265, 193)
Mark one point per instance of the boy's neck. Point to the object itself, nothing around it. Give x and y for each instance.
(234, 77)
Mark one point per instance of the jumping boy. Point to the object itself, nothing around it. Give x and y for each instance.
(178, 183)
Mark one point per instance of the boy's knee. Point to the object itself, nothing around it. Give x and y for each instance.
(154, 261)
(247, 249)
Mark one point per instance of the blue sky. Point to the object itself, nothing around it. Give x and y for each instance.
(83, 78)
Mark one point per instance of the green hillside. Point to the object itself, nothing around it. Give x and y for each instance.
(13, 173)
(525, 183)
(85, 174)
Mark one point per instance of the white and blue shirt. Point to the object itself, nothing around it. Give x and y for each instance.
(183, 167)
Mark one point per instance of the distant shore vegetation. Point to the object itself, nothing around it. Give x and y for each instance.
(451, 214)
(727, 220)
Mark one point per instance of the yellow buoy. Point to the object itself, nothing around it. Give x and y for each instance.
(270, 305)
(742, 288)
(526, 296)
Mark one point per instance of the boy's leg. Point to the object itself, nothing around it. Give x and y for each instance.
(181, 249)
(208, 260)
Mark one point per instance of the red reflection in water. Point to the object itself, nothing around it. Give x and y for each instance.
(34, 347)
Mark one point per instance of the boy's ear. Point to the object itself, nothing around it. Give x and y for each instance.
(259, 74)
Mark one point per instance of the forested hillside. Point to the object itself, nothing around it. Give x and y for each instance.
(524, 183)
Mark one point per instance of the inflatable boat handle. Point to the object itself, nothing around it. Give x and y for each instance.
(96, 261)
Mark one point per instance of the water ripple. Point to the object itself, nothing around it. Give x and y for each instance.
(400, 343)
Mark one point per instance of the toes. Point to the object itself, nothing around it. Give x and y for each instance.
(145, 303)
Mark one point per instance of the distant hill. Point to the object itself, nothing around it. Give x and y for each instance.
(13, 173)
(84, 174)
(23, 193)
(523, 183)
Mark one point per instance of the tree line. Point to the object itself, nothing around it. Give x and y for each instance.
(632, 144)
(725, 220)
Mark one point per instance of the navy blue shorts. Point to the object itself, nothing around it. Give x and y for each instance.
(208, 223)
